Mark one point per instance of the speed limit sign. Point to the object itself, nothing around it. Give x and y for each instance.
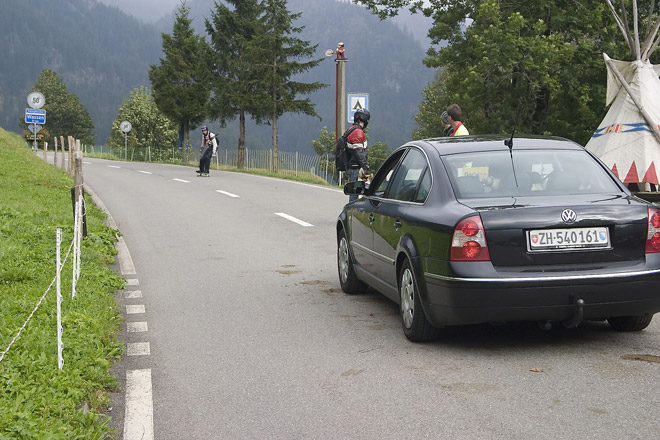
(125, 126)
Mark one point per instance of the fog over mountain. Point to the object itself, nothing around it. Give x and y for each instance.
(102, 54)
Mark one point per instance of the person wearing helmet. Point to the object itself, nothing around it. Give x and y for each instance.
(448, 130)
(208, 149)
(356, 145)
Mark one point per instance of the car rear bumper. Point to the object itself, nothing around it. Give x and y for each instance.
(453, 301)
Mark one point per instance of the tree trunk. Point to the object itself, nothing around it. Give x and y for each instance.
(186, 136)
(240, 162)
(275, 118)
(541, 109)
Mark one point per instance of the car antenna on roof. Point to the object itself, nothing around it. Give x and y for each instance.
(509, 143)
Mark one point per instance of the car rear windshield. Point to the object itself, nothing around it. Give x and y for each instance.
(531, 173)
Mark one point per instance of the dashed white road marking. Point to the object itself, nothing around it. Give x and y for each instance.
(137, 349)
(132, 282)
(135, 309)
(139, 414)
(87, 163)
(136, 327)
(181, 180)
(227, 193)
(113, 166)
(144, 172)
(133, 294)
(293, 219)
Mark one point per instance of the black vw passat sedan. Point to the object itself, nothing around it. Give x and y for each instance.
(487, 229)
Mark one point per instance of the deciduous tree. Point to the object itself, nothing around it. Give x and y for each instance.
(153, 134)
(65, 115)
(533, 66)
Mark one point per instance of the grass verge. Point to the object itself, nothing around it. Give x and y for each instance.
(37, 400)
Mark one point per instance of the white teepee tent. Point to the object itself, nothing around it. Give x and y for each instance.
(628, 139)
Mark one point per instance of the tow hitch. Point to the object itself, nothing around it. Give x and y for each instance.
(578, 317)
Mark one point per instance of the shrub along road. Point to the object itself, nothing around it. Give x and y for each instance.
(250, 335)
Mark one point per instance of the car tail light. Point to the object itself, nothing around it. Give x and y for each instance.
(469, 241)
(653, 231)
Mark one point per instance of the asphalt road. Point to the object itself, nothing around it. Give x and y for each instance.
(251, 337)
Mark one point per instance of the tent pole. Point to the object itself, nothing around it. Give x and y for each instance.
(622, 80)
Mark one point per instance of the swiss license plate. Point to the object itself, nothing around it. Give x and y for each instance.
(574, 238)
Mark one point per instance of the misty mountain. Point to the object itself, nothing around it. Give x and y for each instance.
(102, 54)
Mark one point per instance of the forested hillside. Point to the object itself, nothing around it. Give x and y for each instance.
(103, 54)
(99, 52)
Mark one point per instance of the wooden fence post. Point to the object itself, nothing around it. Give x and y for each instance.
(62, 142)
(71, 163)
(78, 183)
(45, 149)
(55, 156)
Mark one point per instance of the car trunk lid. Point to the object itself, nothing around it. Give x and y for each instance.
(511, 224)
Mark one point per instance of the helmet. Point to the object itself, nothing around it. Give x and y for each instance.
(204, 128)
(362, 115)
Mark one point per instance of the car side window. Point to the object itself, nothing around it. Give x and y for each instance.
(408, 176)
(424, 187)
(384, 174)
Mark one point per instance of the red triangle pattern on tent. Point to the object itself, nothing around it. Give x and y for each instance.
(615, 171)
(651, 176)
(632, 175)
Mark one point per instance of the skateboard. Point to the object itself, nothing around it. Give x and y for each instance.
(202, 174)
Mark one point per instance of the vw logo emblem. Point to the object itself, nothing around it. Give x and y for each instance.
(568, 216)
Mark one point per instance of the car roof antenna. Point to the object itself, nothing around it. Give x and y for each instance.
(509, 143)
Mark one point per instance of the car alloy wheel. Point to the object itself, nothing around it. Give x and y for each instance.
(343, 259)
(407, 297)
(416, 325)
(347, 277)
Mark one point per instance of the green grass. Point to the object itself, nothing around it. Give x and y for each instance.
(37, 400)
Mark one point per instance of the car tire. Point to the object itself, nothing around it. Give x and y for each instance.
(347, 277)
(416, 326)
(630, 323)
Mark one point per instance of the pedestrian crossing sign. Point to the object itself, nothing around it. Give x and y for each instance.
(357, 101)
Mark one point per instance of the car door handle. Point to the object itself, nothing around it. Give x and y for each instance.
(397, 225)
(371, 218)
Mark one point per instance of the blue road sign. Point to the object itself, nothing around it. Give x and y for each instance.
(35, 116)
(357, 101)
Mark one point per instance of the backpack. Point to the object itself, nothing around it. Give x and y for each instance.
(341, 150)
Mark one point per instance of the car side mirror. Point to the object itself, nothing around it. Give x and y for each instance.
(355, 188)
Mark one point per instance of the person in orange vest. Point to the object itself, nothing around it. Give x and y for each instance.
(455, 115)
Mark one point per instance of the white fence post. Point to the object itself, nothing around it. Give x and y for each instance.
(75, 247)
(60, 360)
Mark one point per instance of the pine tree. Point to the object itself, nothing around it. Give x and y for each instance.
(181, 82)
(283, 54)
(65, 115)
(234, 78)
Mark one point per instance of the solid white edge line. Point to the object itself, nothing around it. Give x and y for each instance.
(144, 172)
(293, 219)
(139, 414)
(181, 180)
(126, 266)
(227, 193)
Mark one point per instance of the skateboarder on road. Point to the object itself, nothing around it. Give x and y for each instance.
(208, 149)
